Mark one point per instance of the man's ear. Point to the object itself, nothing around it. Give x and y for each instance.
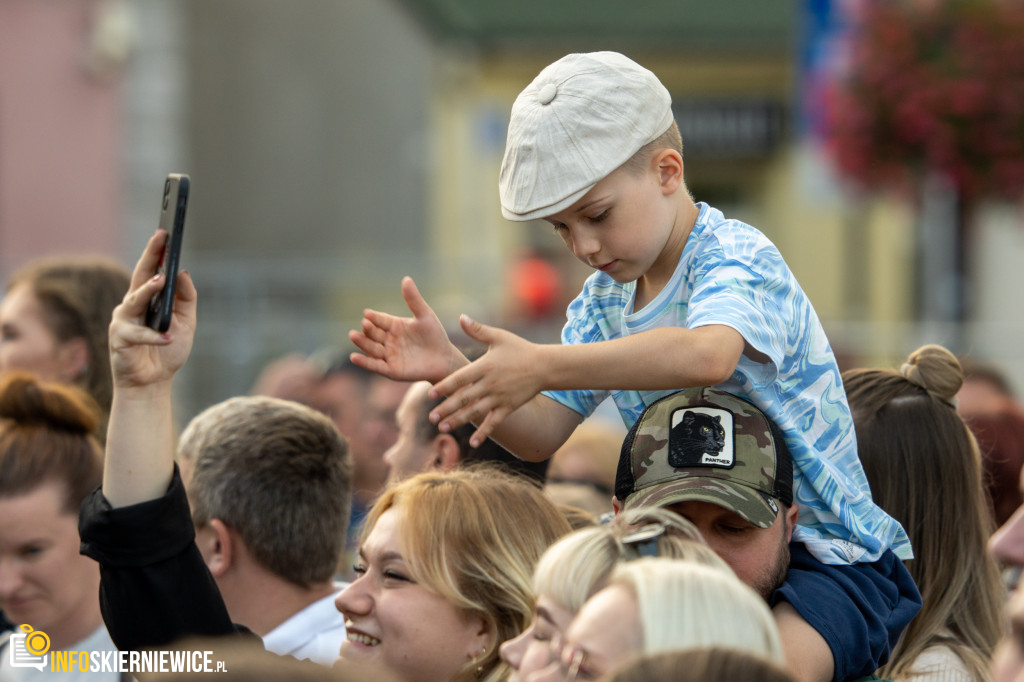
(669, 165)
(791, 515)
(216, 544)
(446, 454)
(73, 358)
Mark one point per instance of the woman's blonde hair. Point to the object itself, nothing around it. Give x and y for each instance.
(473, 536)
(578, 565)
(924, 469)
(683, 604)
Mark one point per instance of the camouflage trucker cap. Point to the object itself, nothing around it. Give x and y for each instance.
(708, 445)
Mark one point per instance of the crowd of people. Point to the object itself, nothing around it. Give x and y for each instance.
(415, 511)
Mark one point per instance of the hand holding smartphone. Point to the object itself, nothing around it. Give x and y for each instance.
(172, 219)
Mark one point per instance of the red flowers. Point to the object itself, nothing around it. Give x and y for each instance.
(936, 85)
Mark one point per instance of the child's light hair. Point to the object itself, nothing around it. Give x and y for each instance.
(683, 604)
(578, 565)
(670, 139)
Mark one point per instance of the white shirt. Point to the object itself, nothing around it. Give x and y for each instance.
(315, 633)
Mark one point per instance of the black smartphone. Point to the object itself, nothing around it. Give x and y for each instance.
(172, 219)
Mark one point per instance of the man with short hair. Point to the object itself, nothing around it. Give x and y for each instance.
(719, 461)
(269, 482)
(421, 446)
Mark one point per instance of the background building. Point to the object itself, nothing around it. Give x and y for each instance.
(336, 145)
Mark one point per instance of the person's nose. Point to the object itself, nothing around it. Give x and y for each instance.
(389, 455)
(511, 651)
(355, 599)
(10, 577)
(584, 241)
(1007, 544)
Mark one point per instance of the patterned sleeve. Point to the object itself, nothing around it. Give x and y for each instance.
(744, 283)
(585, 323)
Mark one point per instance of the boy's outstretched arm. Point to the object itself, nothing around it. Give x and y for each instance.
(413, 348)
(140, 438)
(514, 371)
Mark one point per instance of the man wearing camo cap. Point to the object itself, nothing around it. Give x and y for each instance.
(719, 461)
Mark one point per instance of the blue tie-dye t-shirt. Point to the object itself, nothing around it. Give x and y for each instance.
(731, 274)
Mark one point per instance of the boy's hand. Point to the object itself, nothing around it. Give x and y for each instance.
(413, 348)
(487, 390)
(140, 356)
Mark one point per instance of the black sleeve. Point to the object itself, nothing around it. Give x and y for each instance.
(860, 609)
(154, 585)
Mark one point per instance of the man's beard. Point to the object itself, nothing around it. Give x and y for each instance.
(774, 574)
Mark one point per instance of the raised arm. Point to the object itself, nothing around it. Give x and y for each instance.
(413, 348)
(495, 387)
(140, 438)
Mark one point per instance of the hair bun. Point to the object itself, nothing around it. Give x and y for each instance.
(936, 370)
(27, 401)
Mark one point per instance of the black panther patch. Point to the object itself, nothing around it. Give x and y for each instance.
(693, 437)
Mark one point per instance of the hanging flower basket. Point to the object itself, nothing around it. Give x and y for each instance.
(933, 86)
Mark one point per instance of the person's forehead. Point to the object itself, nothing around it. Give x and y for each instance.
(413, 403)
(20, 301)
(36, 512)
(383, 538)
(590, 629)
(386, 394)
(554, 613)
(340, 387)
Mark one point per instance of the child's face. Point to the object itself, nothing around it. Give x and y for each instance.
(624, 226)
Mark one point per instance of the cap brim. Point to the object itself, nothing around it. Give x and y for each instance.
(751, 504)
(550, 209)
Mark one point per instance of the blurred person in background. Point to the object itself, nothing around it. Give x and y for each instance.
(582, 471)
(421, 446)
(986, 390)
(50, 460)
(54, 318)
(1001, 442)
(989, 405)
(289, 377)
(924, 469)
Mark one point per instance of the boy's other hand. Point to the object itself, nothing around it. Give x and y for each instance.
(140, 356)
(489, 389)
(413, 348)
